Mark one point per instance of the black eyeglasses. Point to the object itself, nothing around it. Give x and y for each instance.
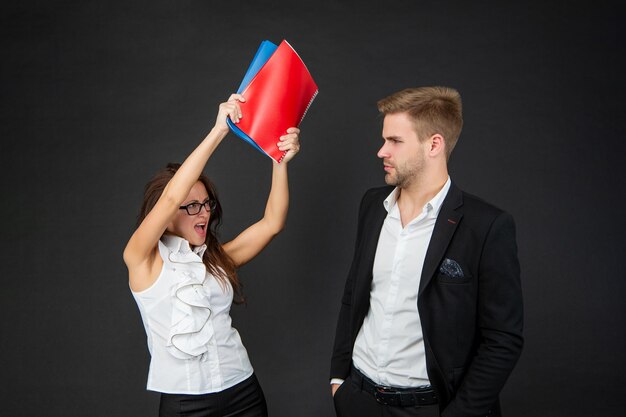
(194, 208)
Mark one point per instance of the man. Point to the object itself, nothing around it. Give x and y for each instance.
(431, 316)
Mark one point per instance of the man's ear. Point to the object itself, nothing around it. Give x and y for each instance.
(437, 145)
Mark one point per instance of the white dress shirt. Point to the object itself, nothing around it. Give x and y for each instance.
(389, 347)
(194, 348)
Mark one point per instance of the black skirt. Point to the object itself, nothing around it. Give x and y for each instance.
(245, 399)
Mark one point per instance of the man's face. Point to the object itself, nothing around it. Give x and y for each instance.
(403, 155)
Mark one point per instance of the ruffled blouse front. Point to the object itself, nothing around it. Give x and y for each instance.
(193, 345)
(189, 334)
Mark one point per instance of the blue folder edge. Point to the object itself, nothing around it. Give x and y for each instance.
(265, 51)
(245, 137)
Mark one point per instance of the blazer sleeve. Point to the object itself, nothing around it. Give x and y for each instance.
(342, 349)
(499, 321)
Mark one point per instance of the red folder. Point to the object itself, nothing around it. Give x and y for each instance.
(277, 98)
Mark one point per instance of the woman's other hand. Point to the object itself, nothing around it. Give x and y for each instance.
(290, 143)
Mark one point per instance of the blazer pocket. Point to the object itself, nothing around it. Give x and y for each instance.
(446, 279)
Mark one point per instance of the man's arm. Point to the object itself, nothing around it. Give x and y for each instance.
(342, 350)
(500, 322)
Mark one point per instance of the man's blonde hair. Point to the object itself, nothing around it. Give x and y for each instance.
(432, 109)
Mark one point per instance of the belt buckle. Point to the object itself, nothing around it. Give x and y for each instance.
(379, 391)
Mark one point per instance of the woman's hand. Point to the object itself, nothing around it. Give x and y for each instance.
(290, 143)
(229, 109)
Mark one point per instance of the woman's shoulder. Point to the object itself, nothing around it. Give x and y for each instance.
(145, 276)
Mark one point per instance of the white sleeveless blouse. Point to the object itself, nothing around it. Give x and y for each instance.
(194, 348)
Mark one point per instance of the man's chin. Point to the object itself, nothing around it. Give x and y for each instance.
(391, 180)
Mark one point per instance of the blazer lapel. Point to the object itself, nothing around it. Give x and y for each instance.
(445, 226)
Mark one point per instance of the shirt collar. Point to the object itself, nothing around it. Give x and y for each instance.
(391, 199)
(179, 245)
(437, 201)
(434, 205)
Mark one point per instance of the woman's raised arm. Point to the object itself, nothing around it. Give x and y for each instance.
(251, 241)
(141, 252)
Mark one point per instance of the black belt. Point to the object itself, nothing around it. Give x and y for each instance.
(399, 397)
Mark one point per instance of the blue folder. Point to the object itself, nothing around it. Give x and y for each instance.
(265, 51)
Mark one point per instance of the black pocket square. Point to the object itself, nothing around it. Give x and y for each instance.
(451, 268)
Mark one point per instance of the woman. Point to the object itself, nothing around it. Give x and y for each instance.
(184, 282)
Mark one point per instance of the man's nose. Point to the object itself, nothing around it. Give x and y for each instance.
(382, 152)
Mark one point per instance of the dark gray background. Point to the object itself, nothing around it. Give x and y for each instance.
(98, 95)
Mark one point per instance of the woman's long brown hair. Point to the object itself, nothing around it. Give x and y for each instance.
(215, 258)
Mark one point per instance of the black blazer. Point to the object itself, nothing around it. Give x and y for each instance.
(472, 324)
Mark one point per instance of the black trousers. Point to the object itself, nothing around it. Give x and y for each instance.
(351, 401)
(245, 399)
